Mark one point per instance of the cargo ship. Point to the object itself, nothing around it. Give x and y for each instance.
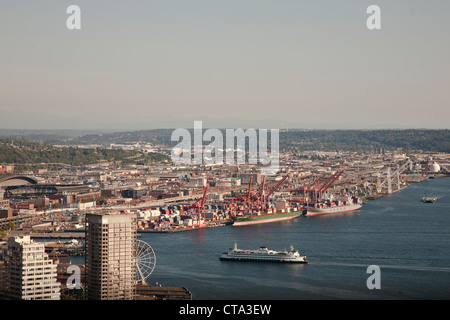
(263, 255)
(250, 218)
(280, 212)
(341, 204)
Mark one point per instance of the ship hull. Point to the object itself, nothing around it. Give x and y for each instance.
(265, 218)
(332, 210)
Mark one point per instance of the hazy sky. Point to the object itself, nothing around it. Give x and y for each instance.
(143, 64)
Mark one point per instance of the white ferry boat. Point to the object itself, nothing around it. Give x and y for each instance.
(263, 255)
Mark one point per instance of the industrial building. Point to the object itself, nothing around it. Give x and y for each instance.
(134, 193)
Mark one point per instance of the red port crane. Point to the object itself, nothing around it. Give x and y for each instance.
(317, 188)
(264, 192)
(277, 185)
(199, 204)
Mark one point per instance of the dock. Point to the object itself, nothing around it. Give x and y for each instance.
(184, 228)
(146, 292)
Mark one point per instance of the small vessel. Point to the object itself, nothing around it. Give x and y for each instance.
(428, 199)
(263, 255)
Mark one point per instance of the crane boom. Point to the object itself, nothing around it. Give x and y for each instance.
(249, 189)
(200, 202)
(203, 198)
(278, 185)
(330, 181)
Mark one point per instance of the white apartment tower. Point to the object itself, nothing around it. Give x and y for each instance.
(111, 256)
(27, 271)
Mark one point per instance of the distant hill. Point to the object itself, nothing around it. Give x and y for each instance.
(20, 151)
(329, 140)
(326, 140)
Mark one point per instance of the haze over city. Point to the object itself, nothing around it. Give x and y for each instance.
(266, 64)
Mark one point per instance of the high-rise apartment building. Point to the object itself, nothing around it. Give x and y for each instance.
(111, 256)
(27, 273)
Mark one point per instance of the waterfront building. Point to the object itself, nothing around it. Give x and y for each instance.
(27, 273)
(111, 256)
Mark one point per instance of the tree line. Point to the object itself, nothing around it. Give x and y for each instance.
(18, 151)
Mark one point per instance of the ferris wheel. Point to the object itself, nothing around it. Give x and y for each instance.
(145, 261)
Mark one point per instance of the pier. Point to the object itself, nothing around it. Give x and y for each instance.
(174, 229)
(146, 292)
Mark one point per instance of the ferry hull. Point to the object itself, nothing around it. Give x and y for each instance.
(267, 218)
(333, 210)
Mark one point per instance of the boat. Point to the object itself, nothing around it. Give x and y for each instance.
(315, 211)
(250, 218)
(263, 254)
(334, 206)
(428, 199)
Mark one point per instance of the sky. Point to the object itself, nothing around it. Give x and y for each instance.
(144, 64)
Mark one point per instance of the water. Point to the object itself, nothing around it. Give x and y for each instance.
(409, 241)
